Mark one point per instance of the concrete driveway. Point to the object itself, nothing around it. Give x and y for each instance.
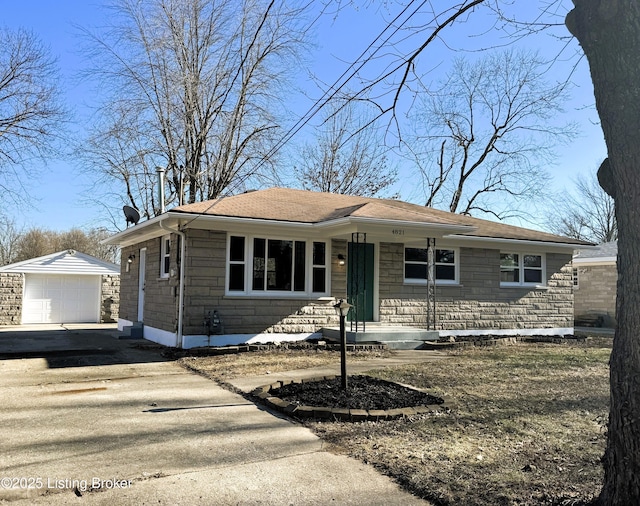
(90, 419)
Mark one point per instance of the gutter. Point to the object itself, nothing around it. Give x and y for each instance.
(183, 250)
(521, 242)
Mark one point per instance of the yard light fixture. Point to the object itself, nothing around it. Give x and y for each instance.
(342, 309)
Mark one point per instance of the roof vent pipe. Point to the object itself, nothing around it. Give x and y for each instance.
(160, 172)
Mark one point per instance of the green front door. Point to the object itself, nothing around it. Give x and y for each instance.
(360, 270)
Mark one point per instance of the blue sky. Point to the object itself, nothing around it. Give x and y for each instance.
(58, 192)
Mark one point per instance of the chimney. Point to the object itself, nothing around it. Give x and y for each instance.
(160, 172)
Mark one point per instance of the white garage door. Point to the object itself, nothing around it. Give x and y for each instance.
(61, 298)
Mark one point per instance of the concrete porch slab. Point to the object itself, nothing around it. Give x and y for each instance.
(395, 337)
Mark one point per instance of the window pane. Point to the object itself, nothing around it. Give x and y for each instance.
(319, 253)
(279, 263)
(532, 276)
(415, 271)
(236, 277)
(445, 256)
(166, 264)
(236, 249)
(415, 254)
(259, 249)
(509, 260)
(532, 261)
(445, 272)
(319, 279)
(509, 275)
(298, 274)
(258, 273)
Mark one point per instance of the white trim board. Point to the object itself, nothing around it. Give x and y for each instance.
(557, 331)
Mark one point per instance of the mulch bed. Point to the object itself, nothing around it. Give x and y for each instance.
(363, 392)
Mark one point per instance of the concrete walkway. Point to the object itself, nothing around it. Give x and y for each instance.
(114, 424)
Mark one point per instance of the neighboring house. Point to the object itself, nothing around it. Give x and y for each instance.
(64, 287)
(272, 263)
(595, 276)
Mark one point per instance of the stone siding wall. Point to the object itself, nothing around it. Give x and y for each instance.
(11, 287)
(160, 294)
(128, 307)
(109, 298)
(205, 292)
(595, 294)
(479, 302)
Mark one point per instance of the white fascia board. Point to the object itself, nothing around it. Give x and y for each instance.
(65, 272)
(152, 228)
(377, 224)
(40, 265)
(595, 261)
(142, 231)
(493, 242)
(231, 223)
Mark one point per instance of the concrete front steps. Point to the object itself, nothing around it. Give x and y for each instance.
(396, 338)
(135, 331)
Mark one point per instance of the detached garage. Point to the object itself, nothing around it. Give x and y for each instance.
(64, 287)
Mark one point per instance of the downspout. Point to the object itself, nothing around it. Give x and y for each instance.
(183, 248)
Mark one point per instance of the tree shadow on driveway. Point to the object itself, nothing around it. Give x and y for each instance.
(62, 347)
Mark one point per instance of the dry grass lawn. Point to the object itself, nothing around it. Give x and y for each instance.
(225, 367)
(526, 424)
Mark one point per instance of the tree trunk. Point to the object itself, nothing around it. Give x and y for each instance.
(609, 33)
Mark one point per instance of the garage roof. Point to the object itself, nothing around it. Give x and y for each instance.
(64, 262)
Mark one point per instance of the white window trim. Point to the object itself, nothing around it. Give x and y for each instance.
(163, 255)
(443, 282)
(521, 254)
(288, 294)
(228, 262)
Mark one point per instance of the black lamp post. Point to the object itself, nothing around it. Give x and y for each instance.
(342, 308)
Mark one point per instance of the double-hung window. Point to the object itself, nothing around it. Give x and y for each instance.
(416, 264)
(261, 265)
(236, 264)
(165, 256)
(520, 269)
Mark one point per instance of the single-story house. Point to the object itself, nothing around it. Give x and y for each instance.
(64, 287)
(270, 265)
(595, 278)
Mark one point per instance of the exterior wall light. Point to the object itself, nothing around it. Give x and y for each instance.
(340, 259)
(130, 260)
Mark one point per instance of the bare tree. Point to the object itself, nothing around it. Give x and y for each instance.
(346, 158)
(35, 243)
(483, 139)
(588, 214)
(195, 86)
(30, 112)
(609, 34)
(38, 242)
(10, 232)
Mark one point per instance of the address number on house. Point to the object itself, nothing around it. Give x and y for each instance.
(397, 231)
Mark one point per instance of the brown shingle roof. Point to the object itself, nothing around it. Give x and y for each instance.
(299, 206)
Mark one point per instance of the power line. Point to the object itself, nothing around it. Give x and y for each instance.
(328, 95)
